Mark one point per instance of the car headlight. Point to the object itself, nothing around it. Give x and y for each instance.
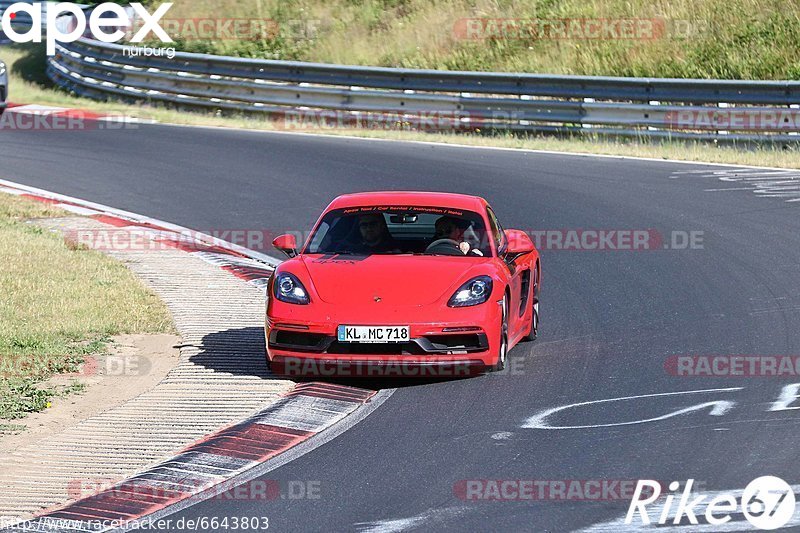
(287, 288)
(474, 292)
(2, 68)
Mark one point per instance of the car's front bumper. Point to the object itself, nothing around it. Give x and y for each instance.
(465, 344)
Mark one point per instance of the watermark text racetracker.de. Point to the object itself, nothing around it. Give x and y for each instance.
(111, 365)
(735, 365)
(29, 119)
(331, 119)
(257, 490)
(226, 28)
(389, 367)
(555, 490)
(133, 239)
(576, 29)
(749, 119)
(616, 239)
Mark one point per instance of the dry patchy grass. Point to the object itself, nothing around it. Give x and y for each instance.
(58, 305)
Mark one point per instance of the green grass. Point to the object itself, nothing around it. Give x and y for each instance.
(740, 39)
(59, 305)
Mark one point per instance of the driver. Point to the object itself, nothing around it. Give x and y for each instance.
(451, 229)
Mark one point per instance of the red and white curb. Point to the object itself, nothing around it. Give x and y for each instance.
(243, 263)
(206, 465)
(233, 455)
(28, 117)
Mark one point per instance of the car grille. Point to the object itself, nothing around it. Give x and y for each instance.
(472, 341)
(298, 340)
(388, 348)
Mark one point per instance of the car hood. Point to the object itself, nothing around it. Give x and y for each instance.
(396, 280)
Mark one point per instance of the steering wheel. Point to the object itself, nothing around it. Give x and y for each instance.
(444, 247)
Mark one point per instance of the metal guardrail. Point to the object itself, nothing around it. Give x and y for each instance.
(729, 110)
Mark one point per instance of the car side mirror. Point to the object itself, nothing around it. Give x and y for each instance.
(286, 243)
(517, 243)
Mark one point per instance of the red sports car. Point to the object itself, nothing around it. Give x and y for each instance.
(402, 284)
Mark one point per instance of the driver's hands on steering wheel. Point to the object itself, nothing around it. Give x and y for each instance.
(444, 247)
(452, 247)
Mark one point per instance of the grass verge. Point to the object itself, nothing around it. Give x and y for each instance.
(59, 305)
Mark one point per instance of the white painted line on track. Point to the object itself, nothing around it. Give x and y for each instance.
(783, 184)
(424, 520)
(718, 408)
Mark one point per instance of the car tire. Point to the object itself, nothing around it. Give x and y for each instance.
(502, 356)
(531, 336)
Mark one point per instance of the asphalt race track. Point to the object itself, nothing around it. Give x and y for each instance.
(611, 320)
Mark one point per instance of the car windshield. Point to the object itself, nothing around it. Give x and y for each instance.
(396, 230)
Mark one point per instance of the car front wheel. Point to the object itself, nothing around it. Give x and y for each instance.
(531, 336)
(502, 356)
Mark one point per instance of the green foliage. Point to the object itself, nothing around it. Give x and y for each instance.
(744, 39)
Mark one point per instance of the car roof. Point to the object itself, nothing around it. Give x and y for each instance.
(410, 198)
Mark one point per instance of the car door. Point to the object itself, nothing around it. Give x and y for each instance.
(519, 276)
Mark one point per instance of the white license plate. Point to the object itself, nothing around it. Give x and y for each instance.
(372, 334)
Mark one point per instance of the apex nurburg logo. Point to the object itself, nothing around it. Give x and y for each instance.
(107, 15)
